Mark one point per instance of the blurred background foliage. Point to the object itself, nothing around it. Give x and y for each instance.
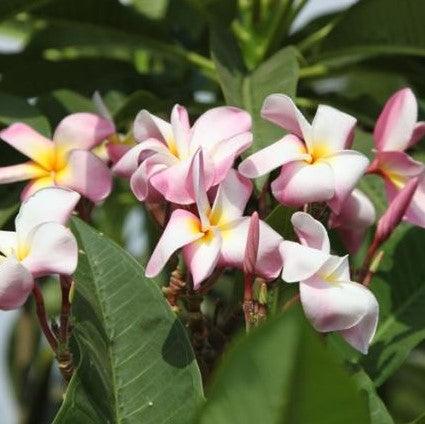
(201, 53)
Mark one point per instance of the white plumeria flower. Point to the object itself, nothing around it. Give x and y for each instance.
(40, 246)
(331, 301)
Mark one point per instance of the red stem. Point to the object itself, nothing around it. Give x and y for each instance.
(42, 317)
(371, 252)
(66, 283)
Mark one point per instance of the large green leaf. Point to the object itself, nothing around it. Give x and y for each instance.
(279, 74)
(281, 373)
(136, 364)
(379, 27)
(400, 288)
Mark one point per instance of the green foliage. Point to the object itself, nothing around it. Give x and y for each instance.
(281, 373)
(135, 361)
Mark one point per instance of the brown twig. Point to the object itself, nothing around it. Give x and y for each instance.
(292, 301)
(65, 283)
(42, 317)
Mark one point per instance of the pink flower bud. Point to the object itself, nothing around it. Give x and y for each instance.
(252, 242)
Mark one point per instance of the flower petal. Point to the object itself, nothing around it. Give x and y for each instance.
(82, 131)
(269, 261)
(218, 124)
(182, 228)
(16, 284)
(29, 142)
(130, 161)
(300, 262)
(288, 149)
(8, 243)
(148, 126)
(21, 172)
(348, 167)
(86, 174)
(224, 154)
(415, 214)
(36, 185)
(396, 123)
(52, 204)
(52, 249)
(201, 256)
(333, 129)
(181, 130)
(281, 110)
(418, 133)
(231, 199)
(300, 183)
(345, 306)
(311, 232)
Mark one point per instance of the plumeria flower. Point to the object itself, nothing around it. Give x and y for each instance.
(116, 145)
(65, 161)
(356, 216)
(331, 301)
(164, 153)
(217, 236)
(315, 160)
(41, 245)
(395, 131)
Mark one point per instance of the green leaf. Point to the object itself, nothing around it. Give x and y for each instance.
(280, 220)
(279, 74)
(136, 363)
(399, 286)
(419, 420)
(15, 109)
(378, 27)
(281, 373)
(9, 8)
(377, 410)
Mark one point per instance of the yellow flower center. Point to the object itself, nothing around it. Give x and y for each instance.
(319, 151)
(22, 251)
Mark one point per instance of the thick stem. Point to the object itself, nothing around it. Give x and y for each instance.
(66, 283)
(42, 317)
(370, 255)
(248, 303)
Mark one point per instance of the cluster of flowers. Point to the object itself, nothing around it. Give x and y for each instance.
(190, 172)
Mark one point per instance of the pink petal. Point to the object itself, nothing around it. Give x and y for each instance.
(344, 306)
(352, 238)
(333, 128)
(31, 143)
(52, 250)
(202, 255)
(37, 184)
(348, 167)
(181, 130)
(418, 134)
(182, 228)
(117, 151)
(82, 131)
(16, 284)
(130, 161)
(52, 204)
(310, 232)
(86, 174)
(21, 172)
(148, 126)
(281, 110)
(139, 181)
(396, 123)
(231, 199)
(252, 244)
(201, 198)
(218, 124)
(269, 261)
(288, 149)
(416, 212)
(224, 154)
(300, 183)
(300, 262)
(175, 183)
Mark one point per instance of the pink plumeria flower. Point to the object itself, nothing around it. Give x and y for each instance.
(117, 145)
(65, 161)
(356, 216)
(396, 130)
(218, 235)
(41, 245)
(163, 157)
(331, 301)
(316, 163)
